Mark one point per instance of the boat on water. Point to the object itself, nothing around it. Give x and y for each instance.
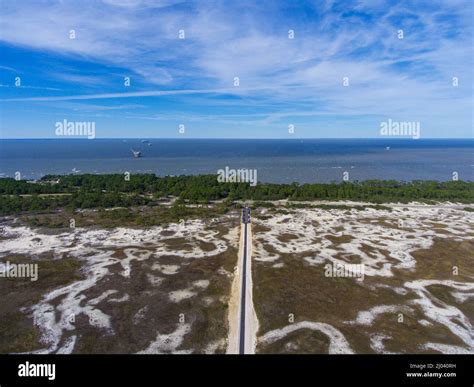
(136, 154)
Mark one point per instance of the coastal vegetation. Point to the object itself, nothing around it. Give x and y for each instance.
(115, 190)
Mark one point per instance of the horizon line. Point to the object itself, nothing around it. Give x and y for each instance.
(235, 138)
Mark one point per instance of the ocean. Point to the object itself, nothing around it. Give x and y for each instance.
(276, 161)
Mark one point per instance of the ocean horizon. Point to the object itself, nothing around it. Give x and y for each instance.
(276, 160)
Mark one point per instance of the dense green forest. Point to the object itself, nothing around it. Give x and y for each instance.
(105, 191)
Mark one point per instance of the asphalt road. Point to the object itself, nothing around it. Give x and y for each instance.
(245, 221)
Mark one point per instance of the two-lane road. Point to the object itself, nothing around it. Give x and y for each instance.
(243, 309)
(243, 323)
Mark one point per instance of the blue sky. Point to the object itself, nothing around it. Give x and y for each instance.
(190, 81)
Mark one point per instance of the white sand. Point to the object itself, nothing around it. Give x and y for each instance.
(367, 317)
(377, 343)
(214, 346)
(448, 349)
(438, 311)
(169, 343)
(337, 342)
(201, 284)
(390, 247)
(166, 269)
(154, 279)
(95, 247)
(140, 315)
(180, 295)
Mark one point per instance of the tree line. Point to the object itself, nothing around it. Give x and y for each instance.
(116, 190)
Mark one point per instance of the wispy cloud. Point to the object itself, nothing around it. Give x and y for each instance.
(152, 93)
(388, 76)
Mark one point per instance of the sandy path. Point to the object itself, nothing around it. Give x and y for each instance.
(234, 302)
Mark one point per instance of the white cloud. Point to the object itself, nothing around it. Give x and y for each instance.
(303, 74)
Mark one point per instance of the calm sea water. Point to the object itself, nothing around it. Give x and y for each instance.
(279, 161)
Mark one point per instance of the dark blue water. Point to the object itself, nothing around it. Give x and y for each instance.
(279, 161)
